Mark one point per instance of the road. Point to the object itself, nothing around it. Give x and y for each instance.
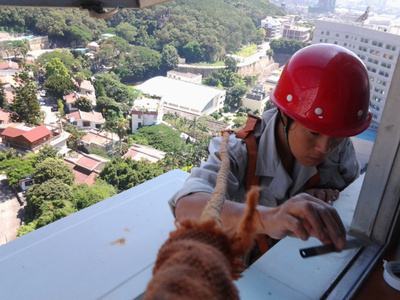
(11, 213)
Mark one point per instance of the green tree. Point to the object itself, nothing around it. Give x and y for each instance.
(169, 58)
(56, 67)
(3, 99)
(127, 173)
(47, 151)
(52, 168)
(231, 64)
(79, 36)
(51, 211)
(17, 168)
(161, 137)
(83, 195)
(65, 56)
(20, 47)
(59, 85)
(84, 104)
(79, 78)
(193, 52)
(53, 189)
(25, 104)
(126, 31)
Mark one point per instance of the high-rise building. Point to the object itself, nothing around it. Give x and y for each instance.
(376, 45)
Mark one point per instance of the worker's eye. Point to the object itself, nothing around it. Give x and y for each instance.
(314, 133)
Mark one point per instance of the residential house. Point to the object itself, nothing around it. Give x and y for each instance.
(185, 97)
(103, 140)
(93, 46)
(139, 152)
(146, 112)
(86, 90)
(25, 138)
(86, 120)
(8, 65)
(85, 167)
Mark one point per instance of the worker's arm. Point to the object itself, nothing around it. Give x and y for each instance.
(301, 216)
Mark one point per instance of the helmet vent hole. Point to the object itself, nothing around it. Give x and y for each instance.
(360, 112)
(289, 98)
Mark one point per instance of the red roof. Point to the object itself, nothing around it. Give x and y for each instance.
(82, 175)
(87, 163)
(32, 135)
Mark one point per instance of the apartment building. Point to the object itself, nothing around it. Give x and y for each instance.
(377, 46)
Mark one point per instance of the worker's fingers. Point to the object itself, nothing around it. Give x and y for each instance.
(326, 195)
(304, 216)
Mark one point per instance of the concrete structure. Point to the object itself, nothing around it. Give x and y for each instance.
(298, 33)
(184, 96)
(139, 152)
(272, 27)
(256, 99)
(189, 77)
(146, 112)
(377, 46)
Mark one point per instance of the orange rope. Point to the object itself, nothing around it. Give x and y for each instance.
(213, 209)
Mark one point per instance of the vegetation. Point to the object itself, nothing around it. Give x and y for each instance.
(25, 106)
(285, 46)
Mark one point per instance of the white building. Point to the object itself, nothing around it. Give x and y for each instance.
(256, 99)
(272, 27)
(146, 112)
(185, 96)
(376, 45)
(189, 77)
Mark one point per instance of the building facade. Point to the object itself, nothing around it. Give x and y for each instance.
(377, 46)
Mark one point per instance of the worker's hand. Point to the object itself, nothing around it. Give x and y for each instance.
(326, 195)
(303, 216)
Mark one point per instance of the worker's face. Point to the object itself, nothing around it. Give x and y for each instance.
(310, 148)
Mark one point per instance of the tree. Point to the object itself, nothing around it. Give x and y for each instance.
(231, 64)
(52, 168)
(79, 36)
(3, 99)
(126, 31)
(161, 137)
(59, 85)
(17, 169)
(169, 58)
(126, 173)
(79, 78)
(45, 152)
(25, 104)
(84, 104)
(51, 211)
(56, 67)
(20, 47)
(193, 52)
(53, 189)
(83, 195)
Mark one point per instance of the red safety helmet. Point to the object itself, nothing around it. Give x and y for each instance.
(325, 88)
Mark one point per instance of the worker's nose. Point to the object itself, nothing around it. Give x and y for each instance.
(323, 144)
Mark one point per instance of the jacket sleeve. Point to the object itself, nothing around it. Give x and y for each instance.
(204, 178)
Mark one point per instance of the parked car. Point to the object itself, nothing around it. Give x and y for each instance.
(42, 101)
(42, 93)
(54, 107)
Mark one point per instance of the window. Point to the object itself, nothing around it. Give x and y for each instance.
(86, 124)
